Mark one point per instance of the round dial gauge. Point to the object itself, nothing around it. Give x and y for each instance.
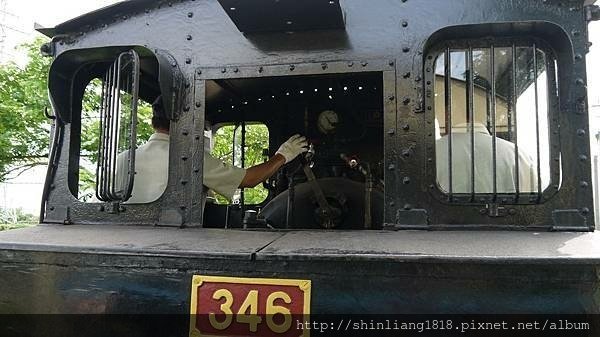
(327, 121)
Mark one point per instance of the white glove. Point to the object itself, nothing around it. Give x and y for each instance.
(293, 147)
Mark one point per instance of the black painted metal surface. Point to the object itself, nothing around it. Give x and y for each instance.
(120, 269)
(201, 38)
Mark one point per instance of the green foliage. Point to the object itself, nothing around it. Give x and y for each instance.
(24, 130)
(10, 218)
(257, 139)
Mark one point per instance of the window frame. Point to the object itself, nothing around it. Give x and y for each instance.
(553, 113)
(217, 127)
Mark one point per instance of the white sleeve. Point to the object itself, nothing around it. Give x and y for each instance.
(221, 178)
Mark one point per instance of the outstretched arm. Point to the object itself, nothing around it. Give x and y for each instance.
(286, 153)
(261, 172)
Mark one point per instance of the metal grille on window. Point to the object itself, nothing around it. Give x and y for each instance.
(493, 118)
(118, 119)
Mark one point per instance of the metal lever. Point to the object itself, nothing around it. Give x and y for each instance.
(326, 213)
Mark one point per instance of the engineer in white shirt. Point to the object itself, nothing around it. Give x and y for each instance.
(506, 172)
(152, 164)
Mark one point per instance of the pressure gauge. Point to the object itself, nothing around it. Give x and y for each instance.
(327, 121)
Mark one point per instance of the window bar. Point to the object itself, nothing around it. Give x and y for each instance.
(470, 116)
(123, 77)
(133, 127)
(108, 127)
(101, 131)
(448, 112)
(243, 162)
(493, 117)
(537, 123)
(114, 132)
(513, 105)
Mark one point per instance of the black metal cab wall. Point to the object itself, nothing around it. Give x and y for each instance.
(503, 68)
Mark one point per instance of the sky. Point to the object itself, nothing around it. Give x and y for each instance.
(17, 18)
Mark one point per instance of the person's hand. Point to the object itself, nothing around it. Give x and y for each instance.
(293, 147)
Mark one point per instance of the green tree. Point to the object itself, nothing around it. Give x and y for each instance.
(24, 130)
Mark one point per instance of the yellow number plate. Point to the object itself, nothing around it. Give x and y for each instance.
(229, 306)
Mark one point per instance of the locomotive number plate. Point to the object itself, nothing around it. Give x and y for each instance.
(230, 306)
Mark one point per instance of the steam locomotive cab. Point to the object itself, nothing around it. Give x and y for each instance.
(341, 115)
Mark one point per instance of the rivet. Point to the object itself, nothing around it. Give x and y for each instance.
(406, 180)
(183, 208)
(406, 74)
(173, 64)
(418, 79)
(405, 49)
(430, 160)
(429, 108)
(196, 170)
(292, 67)
(583, 184)
(432, 186)
(188, 60)
(236, 70)
(407, 207)
(583, 157)
(224, 70)
(404, 24)
(581, 132)
(190, 15)
(199, 72)
(189, 37)
(147, 10)
(579, 81)
(392, 204)
(323, 66)
(578, 56)
(261, 69)
(406, 127)
(556, 187)
(184, 182)
(391, 167)
(428, 69)
(406, 101)
(575, 32)
(198, 104)
(391, 63)
(350, 64)
(482, 211)
(585, 211)
(52, 208)
(364, 64)
(392, 97)
(406, 153)
(391, 131)
(188, 84)
(186, 108)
